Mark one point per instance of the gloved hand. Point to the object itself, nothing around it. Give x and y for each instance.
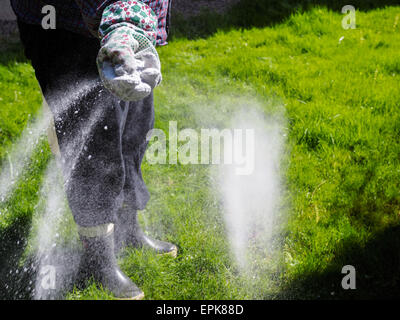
(128, 62)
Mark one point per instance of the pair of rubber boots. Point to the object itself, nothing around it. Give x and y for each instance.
(99, 257)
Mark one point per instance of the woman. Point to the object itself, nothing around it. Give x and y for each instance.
(97, 70)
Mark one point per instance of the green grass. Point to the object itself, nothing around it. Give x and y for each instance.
(342, 177)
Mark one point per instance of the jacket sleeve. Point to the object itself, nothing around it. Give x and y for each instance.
(102, 16)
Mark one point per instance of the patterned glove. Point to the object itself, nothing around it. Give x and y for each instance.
(128, 62)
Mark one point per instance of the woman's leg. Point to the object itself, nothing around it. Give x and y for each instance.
(139, 122)
(88, 126)
(87, 121)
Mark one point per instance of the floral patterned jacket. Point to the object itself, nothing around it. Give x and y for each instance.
(86, 16)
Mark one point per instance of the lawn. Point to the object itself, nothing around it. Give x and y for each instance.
(339, 93)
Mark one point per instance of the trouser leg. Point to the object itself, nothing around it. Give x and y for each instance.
(98, 171)
(139, 122)
(89, 137)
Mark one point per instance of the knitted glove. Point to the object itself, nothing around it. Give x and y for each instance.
(128, 62)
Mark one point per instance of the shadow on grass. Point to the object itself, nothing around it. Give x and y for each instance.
(11, 52)
(257, 13)
(14, 282)
(26, 278)
(377, 267)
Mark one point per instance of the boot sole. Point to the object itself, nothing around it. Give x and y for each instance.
(140, 296)
(173, 253)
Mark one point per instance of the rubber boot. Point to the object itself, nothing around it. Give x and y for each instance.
(129, 233)
(99, 261)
